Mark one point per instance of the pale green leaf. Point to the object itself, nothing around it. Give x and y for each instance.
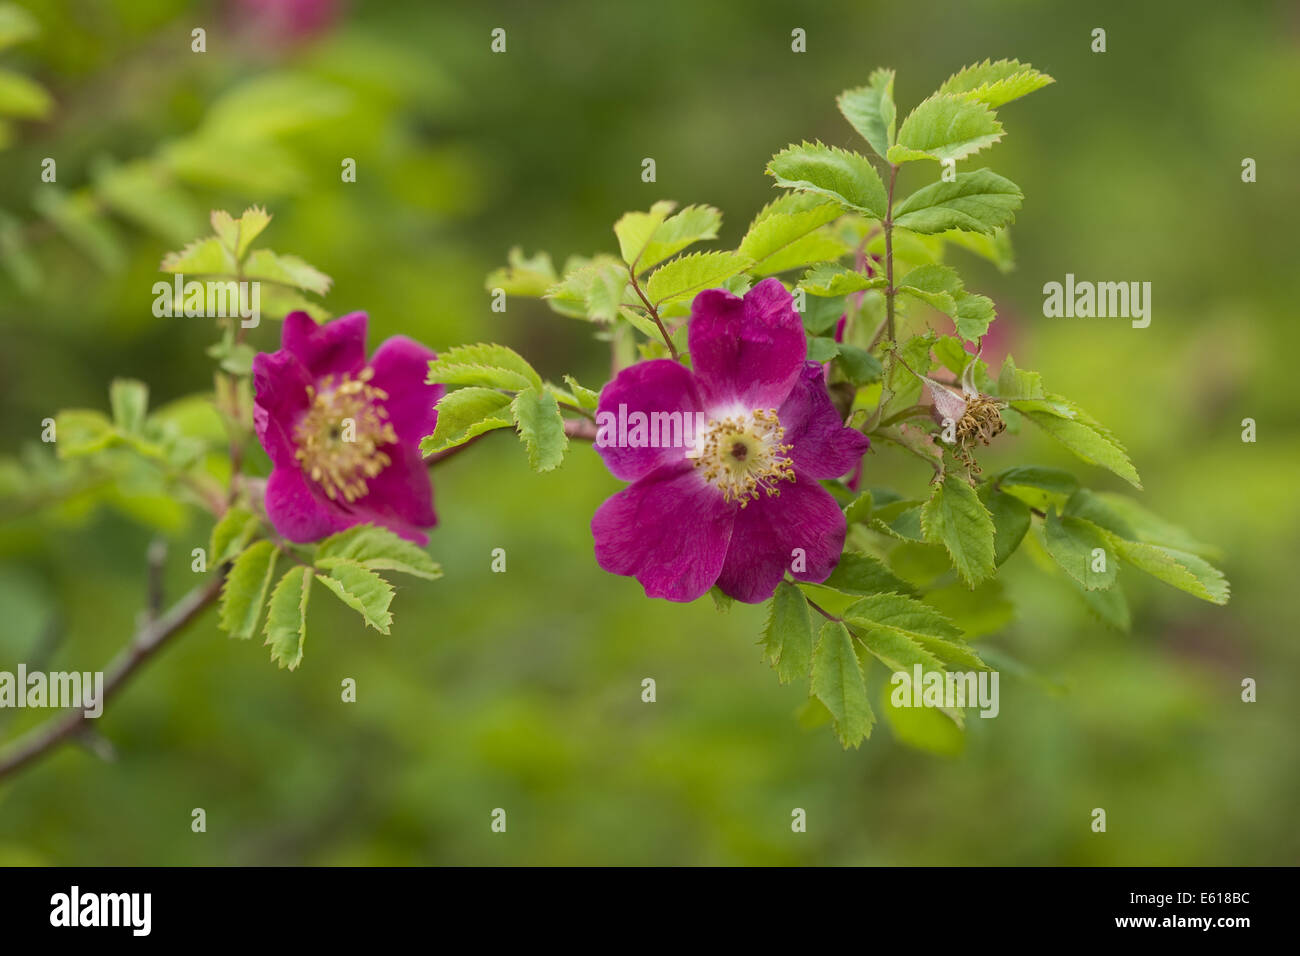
(541, 428)
(1187, 572)
(996, 83)
(464, 414)
(376, 549)
(848, 178)
(362, 590)
(1077, 431)
(830, 279)
(687, 275)
(263, 265)
(788, 634)
(980, 201)
(244, 591)
(693, 224)
(231, 534)
(955, 518)
(1073, 543)
(523, 275)
(286, 617)
(871, 111)
(491, 366)
(946, 126)
(23, 97)
(838, 682)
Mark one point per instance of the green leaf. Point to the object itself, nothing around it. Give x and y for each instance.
(863, 574)
(871, 111)
(693, 224)
(376, 549)
(838, 682)
(541, 428)
(1109, 606)
(245, 588)
(955, 518)
(934, 284)
(465, 413)
(201, 257)
(1072, 543)
(779, 241)
(586, 397)
(263, 265)
(23, 97)
(685, 276)
(996, 83)
(859, 509)
(491, 366)
(995, 248)
(16, 25)
(848, 178)
(831, 279)
(946, 126)
(594, 291)
(362, 590)
(522, 275)
(902, 632)
(1055, 483)
(859, 366)
(924, 728)
(82, 431)
(1185, 571)
(1011, 520)
(1014, 384)
(973, 316)
(635, 229)
(286, 617)
(980, 201)
(787, 634)
(1080, 433)
(1128, 519)
(129, 400)
(231, 534)
(238, 234)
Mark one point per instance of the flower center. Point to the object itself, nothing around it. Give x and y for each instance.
(340, 436)
(742, 455)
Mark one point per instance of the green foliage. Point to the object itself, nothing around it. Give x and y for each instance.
(996, 83)
(362, 590)
(846, 177)
(286, 617)
(838, 682)
(244, 591)
(946, 126)
(541, 428)
(788, 634)
(980, 201)
(871, 111)
(955, 518)
(226, 255)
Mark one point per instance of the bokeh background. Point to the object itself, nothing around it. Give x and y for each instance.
(522, 690)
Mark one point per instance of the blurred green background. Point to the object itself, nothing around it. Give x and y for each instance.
(522, 690)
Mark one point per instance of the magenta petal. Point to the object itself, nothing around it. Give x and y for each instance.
(280, 388)
(330, 349)
(669, 530)
(657, 386)
(748, 350)
(823, 447)
(401, 496)
(401, 366)
(768, 530)
(297, 509)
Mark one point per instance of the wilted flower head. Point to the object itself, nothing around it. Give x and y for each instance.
(343, 434)
(739, 504)
(976, 417)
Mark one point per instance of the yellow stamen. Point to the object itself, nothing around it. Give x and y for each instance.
(743, 455)
(340, 436)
